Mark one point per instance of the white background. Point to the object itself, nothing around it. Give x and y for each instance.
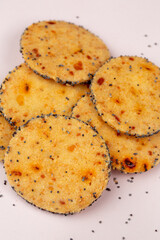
(122, 24)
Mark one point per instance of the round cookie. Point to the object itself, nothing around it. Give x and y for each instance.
(128, 153)
(126, 92)
(63, 51)
(24, 95)
(6, 131)
(58, 164)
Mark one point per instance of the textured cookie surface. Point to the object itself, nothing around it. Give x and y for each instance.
(126, 91)
(24, 95)
(6, 131)
(63, 51)
(128, 153)
(58, 164)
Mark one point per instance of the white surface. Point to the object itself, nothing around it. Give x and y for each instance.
(122, 25)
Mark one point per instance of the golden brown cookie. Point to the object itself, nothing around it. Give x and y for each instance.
(126, 92)
(128, 153)
(24, 95)
(58, 163)
(63, 51)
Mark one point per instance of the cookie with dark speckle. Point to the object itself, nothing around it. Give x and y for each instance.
(6, 131)
(128, 153)
(126, 93)
(25, 94)
(63, 51)
(58, 163)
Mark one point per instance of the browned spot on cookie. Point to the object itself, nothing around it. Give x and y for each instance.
(129, 163)
(16, 173)
(116, 117)
(71, 148)
(50, 188)
(131, 58)
(87, 176)
(62, 202)
(150, 153)
(139, 111)
(43, 68)
(133, 91)
(42, 176)
(89, 57)
(77, 116)
(25, 114)
(51, 22)
(26, 87)
(35, 51)
(78, 65)
(117, 101)
(98, 163)
(100, 81)
(149, 69)
(98, 154)
(145, 167)
(122, 111)
(36, 167)
(78, 134)
(118, 133)
(71, 73)
(116, 68)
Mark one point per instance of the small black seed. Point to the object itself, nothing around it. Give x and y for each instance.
(5, 182)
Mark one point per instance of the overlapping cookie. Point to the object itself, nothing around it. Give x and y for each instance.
(126, 93)
(57, 163)
(24, 95)
(128, 153)
(63, 51)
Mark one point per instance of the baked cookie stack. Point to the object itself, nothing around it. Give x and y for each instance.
(76, 112)
(55, 162)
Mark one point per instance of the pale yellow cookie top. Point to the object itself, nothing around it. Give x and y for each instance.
(126, 93)
(128, 153)
(57, 163)
(63, 51)
(26, 95)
